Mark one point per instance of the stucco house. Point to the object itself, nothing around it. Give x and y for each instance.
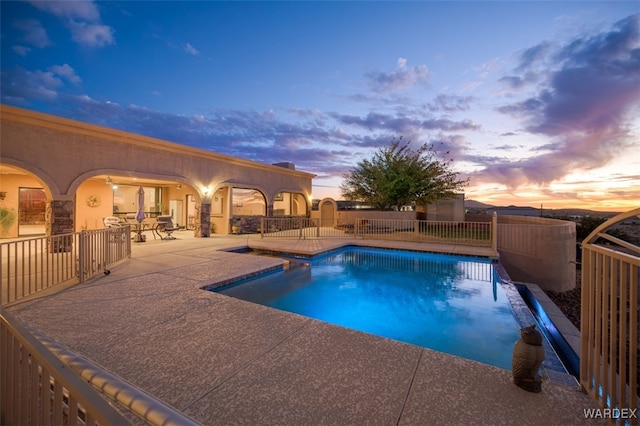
(59, 176)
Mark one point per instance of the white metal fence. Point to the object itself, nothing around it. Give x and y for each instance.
(464, 233)
(32, 265)
(471, 270)
(609, 321)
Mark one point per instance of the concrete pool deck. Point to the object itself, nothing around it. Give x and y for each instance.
(224, 361)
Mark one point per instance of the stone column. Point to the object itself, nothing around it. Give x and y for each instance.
(59, 220)
(270, 210)
(205, 220)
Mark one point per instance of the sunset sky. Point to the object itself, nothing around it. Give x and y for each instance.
(536, 102)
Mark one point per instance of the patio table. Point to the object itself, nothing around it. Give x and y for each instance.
(139, 228)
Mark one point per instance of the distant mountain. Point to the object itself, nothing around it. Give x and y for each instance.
(533, 211)
(472, 204)
(580, 213)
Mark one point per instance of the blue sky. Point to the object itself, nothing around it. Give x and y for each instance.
(536, 102)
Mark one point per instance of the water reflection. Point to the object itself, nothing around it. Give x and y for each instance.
(447, 303)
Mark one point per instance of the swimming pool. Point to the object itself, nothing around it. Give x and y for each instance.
(452, 304)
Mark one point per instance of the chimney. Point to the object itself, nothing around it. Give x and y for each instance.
(286, 165)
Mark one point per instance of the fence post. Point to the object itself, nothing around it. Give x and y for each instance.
(299, 220)
(261, 227)
(2, 274)
(82, 256)
(494, 232)
(108, 237)
(128, 239)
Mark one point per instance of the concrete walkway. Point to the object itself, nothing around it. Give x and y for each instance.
(225, 361)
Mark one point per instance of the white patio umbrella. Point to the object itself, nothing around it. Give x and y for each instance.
(140, 215)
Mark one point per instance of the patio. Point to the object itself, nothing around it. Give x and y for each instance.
(224, 361)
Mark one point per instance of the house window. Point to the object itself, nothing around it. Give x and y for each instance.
(32, 207)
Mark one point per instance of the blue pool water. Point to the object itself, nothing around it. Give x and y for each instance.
(451, 304)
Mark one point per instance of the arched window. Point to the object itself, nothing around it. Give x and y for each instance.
(289, 204)
(247, 202)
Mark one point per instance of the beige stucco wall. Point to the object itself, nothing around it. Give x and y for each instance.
(86, 217)
(65, 155)
(220, 210)
(350, 216)
(538, 250)
(447, 210)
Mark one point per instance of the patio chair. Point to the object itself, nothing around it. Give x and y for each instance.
(130, 218)
(166, 226)
(112, 222)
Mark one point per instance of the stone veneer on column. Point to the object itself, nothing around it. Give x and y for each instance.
(60, 217)
(205, 220)
(59, 220)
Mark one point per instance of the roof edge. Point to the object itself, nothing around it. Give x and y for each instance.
(39, 119)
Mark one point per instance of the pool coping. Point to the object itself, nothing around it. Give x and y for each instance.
(569, 331)
(556, 319)
(320, 246)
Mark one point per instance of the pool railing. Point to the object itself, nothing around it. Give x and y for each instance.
(609, 321)
(30, 266)
(480, 234)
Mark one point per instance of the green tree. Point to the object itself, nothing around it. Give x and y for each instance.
(588, 224)
(397, 176)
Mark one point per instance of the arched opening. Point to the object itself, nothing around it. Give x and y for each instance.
(290, 204)
(248, 206)
(248, 202)
(327, 212)
(111, 195)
